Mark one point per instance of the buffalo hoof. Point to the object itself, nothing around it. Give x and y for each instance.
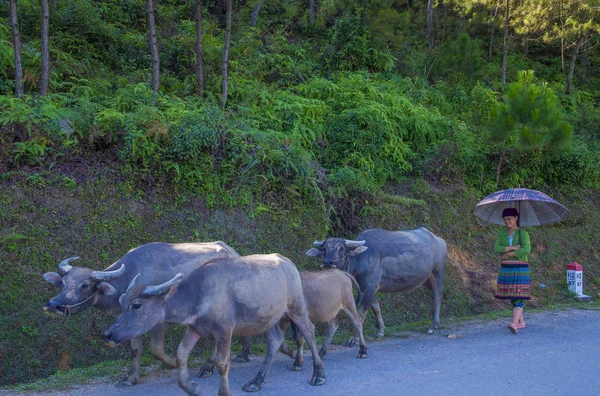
(241, 359)
(362, 352)
(296, 367)
(191, 388)
(125, 383)
(205, 372)
(322, 353)
(378, 334)
(251, 387)
(318, 380)
(430, 331)
(351, 342)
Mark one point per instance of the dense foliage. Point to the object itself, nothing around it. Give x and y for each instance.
(349, 101)
(330, 109)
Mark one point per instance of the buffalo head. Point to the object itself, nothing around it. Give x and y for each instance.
(142, 308)
(336, 251)
(81, 287)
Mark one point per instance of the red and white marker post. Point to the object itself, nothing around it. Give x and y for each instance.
(575, 280)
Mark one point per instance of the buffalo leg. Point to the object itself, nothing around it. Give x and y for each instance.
(308, 332)
(370, 301)
(357, 323)
(299, 360)
(134, 371)
(284, 324)
(274, 338)
(332, 327)
(183, 352)
(209, 367)
(157, 345)
(223, 347)
(436, 284)
(380, 326)
(244, 355)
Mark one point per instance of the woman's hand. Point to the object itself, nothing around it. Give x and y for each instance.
(512, 248)
(508, 255)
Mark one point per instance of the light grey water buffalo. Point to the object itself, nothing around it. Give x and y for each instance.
(389, 261)
(224, 297)
(157, 262)
(325, 294)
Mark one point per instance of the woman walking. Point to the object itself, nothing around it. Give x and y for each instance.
(514, 278)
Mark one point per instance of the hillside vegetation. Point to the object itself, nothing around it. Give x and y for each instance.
(311, 119)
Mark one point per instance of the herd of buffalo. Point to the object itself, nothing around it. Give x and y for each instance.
(216, 292)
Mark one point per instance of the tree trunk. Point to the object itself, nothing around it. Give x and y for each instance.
(256, 11)
(585, 63)
(442, 21)
(225, 63)
(562, 39)
(45, 72)
(492, 31)
(505, 53)
(430, 32)
(199, 61)
(363, 14)
(153, 45)
(311, 11)
(16, 36)
(499, 168)
(526, 45)
(572, 66)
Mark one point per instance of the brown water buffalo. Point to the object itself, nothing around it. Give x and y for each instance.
(226, 296)
(325, 294)
(157, 262)
(389, 261)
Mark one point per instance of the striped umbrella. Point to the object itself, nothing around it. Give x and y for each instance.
(535, 208)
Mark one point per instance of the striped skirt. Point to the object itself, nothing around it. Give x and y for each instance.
(514, 281)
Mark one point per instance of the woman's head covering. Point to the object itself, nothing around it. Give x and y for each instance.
(510, 212)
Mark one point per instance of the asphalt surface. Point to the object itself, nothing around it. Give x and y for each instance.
(557, 354)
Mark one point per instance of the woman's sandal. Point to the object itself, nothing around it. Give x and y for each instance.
(519, 326)
(512, 328)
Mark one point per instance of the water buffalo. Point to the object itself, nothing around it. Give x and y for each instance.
(389, 261)
(157, 262)
(238, 295)
(325, 294)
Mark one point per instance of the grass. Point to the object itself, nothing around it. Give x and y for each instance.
(107, 371)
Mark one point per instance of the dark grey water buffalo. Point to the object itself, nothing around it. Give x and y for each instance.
(389, 261)
(157, 262)
(325, 294)
(224, 297)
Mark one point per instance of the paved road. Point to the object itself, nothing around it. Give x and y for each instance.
(557, 354)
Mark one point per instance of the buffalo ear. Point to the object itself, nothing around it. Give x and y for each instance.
(172, 290)
(357, 250)
(314, 252)
(54, 278)
(106, 288)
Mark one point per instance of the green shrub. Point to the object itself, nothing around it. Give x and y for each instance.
(30, 152)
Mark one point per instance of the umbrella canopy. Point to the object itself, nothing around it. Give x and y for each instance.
(535, 208)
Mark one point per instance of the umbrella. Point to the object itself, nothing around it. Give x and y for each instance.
(535, 208)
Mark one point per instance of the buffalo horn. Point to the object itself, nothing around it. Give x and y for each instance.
(318, 244)
(150, 291)
(132, 283)
(100, 276)
(354, 244)
(64, 265)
